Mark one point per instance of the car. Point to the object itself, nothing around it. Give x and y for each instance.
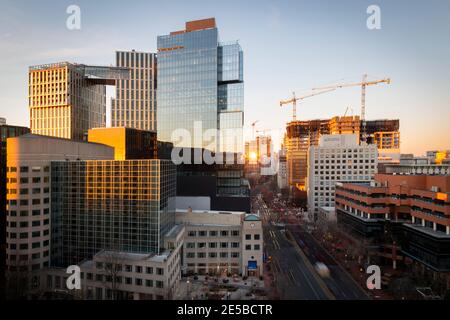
(322, 269)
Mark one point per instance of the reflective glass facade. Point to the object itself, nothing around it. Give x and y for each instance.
(200, 79)
(114, 205)
(201, 85)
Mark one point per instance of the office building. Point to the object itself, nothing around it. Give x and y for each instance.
(122, 205)
(6, 131)
(337, 158)
(135, 103)
(128, 143)
(201, 107)
(28, 188)
(221, 243)
(67, 99)
(438, 157)
(416, 207)
(409, 164)
(201, 79)
(119, 275)
(300, 135)
(282, 179)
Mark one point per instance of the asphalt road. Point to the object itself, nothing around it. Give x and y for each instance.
(340, 282)
(293, 278)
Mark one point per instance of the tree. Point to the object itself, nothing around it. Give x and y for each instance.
(112, 261)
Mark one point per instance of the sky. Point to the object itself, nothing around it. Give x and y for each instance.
(288, 46)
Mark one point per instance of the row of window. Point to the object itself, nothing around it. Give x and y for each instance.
(214, 233)
(129, 268)
(202, 255)
(26, 169)
(202, 245)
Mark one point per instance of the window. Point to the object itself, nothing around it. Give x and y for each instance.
(235, 233)
(149, 270)
(257, 246)
(224, 233)
(138, 282)
(213, 233)
(128, 280)
(256, 237)
(160, 271)
(128, 268)
(138, 269)
(149, 283)
(248, 237)
(248, 247)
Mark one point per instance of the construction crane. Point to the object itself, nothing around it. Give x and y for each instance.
(294, 100)
(253, 128)
(363, 84)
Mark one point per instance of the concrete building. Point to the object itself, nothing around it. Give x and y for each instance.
(116, 275)
(128, 143)
(135, 103)
(417, 208)
(416, 166)
(6, 131)
(337, 158)
(300, 135)
(67, 99)
(29, 194)
(122, 205)
(282, 178)
(438, 156)
(221, 243)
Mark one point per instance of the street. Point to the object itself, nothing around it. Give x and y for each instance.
(293, 278)
(292, 262)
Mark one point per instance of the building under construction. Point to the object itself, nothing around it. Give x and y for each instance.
(300, 135)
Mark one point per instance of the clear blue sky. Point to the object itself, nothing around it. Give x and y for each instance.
(288, 45)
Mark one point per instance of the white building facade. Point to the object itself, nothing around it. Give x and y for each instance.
(337, 158)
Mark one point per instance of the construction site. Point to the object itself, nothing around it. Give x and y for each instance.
(300, 135)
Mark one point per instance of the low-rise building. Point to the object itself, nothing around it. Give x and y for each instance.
(416, 206)
(221, 243)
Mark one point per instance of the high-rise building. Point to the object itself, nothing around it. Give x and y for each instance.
(337, 158)
(282, 180)
(300, 135)
(200, 88)
(135, 103)
(6, 131)
(28, 187)
(128, 143)
(110, 205)
(67, 99)
(201, 108)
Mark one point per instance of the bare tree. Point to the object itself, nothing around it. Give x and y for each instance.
(112, 261)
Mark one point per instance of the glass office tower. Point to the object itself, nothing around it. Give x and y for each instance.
(113, 204)
(201, 93)
(200, 80)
